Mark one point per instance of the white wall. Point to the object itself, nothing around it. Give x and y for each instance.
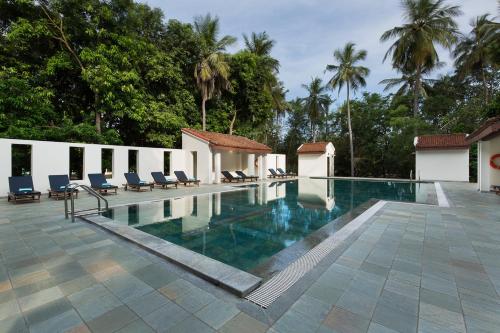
(52, 158)
(316, 165)
(275, 161)
(204, 168)
(447, 165)
(487, 175)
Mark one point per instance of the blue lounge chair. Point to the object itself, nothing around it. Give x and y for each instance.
(135, 183)
(21, 189)
(160, 180)
(245, 177)
(229, 178)
(58, 185)
(99, 183)
(280, 170)
(274, 174)
(182, 178)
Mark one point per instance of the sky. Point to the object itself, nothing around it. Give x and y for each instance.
(308, 31)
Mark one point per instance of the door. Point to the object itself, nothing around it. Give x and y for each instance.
(195, 164)
(328, 166)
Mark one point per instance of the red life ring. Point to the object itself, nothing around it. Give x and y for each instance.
(492, 161)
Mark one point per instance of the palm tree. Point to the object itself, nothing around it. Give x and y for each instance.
(473, 52)
(316, 104)
(260, 44)
(406, 82)
(212, 70)
(346, 73)
(427, 23)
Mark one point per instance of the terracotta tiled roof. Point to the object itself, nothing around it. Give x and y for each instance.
(229, 142)
(312, 148)
(441, 142)
(490, 129)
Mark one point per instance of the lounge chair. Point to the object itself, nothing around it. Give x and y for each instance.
(274, 174)
(496, 189)
(21, 189)
(58, 185)
(229, 178)
(135, 183)
(245, 177)
(99, 183)
(280, 170)
(160, 180)
(182, 178)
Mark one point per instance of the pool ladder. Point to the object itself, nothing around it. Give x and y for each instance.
(69, 193)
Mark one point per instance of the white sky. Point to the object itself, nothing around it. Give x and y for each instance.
(307, 31)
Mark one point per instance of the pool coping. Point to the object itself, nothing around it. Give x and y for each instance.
(230, 278)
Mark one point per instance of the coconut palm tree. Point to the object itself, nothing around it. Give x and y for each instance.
(316, 104)
(212, 69)
(260, 44)
(406, 82)
(427, 23)
(473, 52)
(347, 74)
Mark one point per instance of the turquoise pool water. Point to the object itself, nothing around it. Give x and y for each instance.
(249, 226)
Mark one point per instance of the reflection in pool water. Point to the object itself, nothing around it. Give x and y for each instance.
(246, 227)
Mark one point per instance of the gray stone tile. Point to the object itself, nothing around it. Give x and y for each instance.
(61, 323)
(155, 275)
(311, 308)
(293, 321)
(9, 309)
(377, 328)
(341, 320)
(47, 310)
(40, 298)
(137, 326)
(243, 323)
(94, 301)
(395, 319)
(112, 320)
(399, 302)
(166, 317)
(441, 300)
(192, 325)
(195, 299)
(217, 313)
(442, 317)
(357, 302)
(13, 324)
(326, 294)
(126, 286)
(145, 304)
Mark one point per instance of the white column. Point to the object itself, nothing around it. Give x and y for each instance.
(260, 163)
(251, 165)
(264, 167)
(217, 203)
(217, 165)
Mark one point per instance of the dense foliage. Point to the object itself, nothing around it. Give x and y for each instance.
(116, 72)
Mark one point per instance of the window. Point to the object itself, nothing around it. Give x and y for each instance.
(166, 163)
(76, 163)
(21, 160)
(107, 162)
(132, 160)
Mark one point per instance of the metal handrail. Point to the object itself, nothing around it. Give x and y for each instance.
(71, 189)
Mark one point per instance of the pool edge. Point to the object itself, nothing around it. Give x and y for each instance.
(227, 277)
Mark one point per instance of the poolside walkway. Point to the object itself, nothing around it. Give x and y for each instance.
(413, 268)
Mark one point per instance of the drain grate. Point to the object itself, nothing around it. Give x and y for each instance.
(270, 291)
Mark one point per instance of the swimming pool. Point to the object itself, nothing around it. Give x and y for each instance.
(251, 226)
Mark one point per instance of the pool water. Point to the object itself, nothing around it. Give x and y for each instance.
(246, 227)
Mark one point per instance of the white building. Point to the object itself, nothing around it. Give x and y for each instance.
(198, 158)
(488, 157)
(442, 157)
(316, 159)
(209, 153)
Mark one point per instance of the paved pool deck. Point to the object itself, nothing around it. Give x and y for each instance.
(410, 268)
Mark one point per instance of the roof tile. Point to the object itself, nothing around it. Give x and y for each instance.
(441, 141)
(229, 142)
(312, 148)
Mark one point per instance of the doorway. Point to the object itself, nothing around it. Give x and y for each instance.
(195, 164)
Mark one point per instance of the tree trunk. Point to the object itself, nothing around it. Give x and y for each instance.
(97, 114)
(416, 92)
(485, 86)
(231, 125)
(351, 146)
(203, 120)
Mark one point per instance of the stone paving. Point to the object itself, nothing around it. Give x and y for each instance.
(413, 268)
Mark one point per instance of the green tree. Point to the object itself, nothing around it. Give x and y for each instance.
(212, 70)
(347, 74)
(473, 52)
(316, 104)
(428, 22)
